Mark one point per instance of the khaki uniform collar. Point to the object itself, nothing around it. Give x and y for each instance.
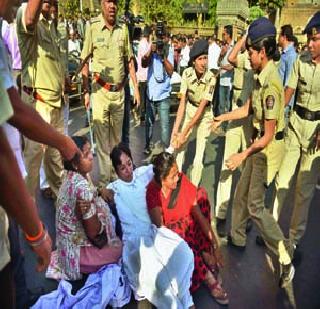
(265, 72)
(103, 23)
(195, 77)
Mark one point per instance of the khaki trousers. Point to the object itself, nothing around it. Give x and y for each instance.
(298, 157)
(107, 112)
(34, 152)
(259, 171)
(201, 132)
(238, 137)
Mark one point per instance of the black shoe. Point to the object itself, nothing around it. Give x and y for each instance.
(260, 241)
(249, 226)
(221, 227)
(233, 245)
(287, 274)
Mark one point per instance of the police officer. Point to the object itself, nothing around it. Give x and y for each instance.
(197, 86)
(112, 54)
(42, 82)
(303, 140)
(263, 157)
(239, 132)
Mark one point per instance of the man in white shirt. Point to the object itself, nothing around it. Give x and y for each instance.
(226, 72)
(213, 55)
(184, 55)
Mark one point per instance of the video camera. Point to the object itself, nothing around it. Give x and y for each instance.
(160, 33)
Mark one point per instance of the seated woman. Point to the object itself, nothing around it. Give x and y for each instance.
(85, 233)
(158, 263)
(173, 201)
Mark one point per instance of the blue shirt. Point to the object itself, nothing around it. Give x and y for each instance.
(159, 86)
(288, 57)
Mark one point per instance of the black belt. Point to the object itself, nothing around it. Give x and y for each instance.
(279, 135)
(306, 114)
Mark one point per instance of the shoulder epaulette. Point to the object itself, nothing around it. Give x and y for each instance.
(94, 20)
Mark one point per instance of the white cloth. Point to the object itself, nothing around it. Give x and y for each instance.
(107, 286)
(226, 77)
(213, 56)
(13, 136)
(159, 264)
(74, 46)
(185, 56)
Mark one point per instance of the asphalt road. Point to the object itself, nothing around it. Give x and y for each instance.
(247, 275)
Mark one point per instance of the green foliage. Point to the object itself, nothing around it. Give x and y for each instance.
(255, 12)
(271, 5)
(71, 7)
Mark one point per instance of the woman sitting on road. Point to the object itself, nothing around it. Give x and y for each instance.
(173, 201)
(158, 263)
(85, 233)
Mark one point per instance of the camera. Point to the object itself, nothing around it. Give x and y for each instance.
(160, 32)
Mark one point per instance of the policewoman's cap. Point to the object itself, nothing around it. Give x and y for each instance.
(259, 29)
(199, 48)
(313, 26)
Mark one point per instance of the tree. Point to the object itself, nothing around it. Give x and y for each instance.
(271, 7)
(70, 7)
(255, 12)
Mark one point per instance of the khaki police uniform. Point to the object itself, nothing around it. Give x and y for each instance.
(196, 90)
(239, 131)
(260, 168)
(111, 53)
(42, 80)
(303, 125)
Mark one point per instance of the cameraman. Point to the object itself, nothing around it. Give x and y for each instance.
(159, 61)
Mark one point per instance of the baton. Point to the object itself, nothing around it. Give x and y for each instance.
(82, 64)
(90, 127)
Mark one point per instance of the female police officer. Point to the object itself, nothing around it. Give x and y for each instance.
(197, 86)
(263, 157)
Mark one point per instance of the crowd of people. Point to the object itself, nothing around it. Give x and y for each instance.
(150, 226)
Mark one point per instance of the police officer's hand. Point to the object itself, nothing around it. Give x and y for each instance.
(235, 160)
(82, 207)
(43, 251)
(68, 149)
(215, 123)
(107, 195)
(87, 100)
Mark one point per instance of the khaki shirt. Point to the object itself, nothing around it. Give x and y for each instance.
(40, 57)
(268, 98)
(241, 71)
(305, 77)
(63, 44)
(111, 50)
(197, 89)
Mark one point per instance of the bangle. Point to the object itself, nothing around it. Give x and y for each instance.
(40, 241)
(38, 236)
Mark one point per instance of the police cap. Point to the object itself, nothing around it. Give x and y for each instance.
(259, 29)
(199, 48)
(313, 26)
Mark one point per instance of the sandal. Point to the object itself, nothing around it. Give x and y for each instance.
(216, 290)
